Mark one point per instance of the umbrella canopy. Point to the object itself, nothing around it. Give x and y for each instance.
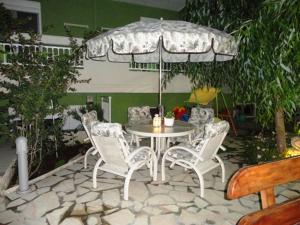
(162, 40)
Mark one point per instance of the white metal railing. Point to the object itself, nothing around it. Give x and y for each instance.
(149, 66)
(52, 51)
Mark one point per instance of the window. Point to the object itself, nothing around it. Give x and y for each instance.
(28, 11)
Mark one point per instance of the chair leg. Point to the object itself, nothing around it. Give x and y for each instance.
(201, 182)
(223, 171)
(95, 172)
(126, 185)
(86, 155)
(222, 167)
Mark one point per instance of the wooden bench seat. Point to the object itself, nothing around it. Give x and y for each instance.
(263, 178)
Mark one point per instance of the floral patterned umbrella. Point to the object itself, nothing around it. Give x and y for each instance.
(162, 41)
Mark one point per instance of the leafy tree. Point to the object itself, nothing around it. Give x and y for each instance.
(266, 70)
(33, 83)
(268, 64)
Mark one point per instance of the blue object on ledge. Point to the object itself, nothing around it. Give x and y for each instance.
(185, 117)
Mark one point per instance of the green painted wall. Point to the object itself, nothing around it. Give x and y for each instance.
(94, 13)
(121, 101)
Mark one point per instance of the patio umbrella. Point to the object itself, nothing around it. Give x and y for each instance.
(162, 41)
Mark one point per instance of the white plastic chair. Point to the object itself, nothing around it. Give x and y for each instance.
(117, 156)
(199, 117)
(87, 120)
(138, 115)
(201, 154)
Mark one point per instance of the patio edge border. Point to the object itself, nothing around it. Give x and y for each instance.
(69, 163)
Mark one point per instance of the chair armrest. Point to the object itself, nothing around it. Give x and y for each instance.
(286, 213)
(194, 153)
(138, 150)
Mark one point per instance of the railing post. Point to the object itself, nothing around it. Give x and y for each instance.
(21, 145)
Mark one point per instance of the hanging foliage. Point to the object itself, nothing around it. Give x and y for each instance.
(224, 15)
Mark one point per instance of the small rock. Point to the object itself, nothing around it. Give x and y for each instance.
(187, 217)
(200, 203)
(43, 190)
(87, 197)
(141, 220)
(160, 200)
(122, 217)
(182, 196)
(70, 197)
(41, 205)
(152, 210)
(168, 219)
(169, 208)
(49, 181)
(72, 221)
(94, 206)
(111, 198)
(13, 196)
(159, 189)
(138, 191)
(192, 209)
(137, 206)
(8, 216)
(218, 209)
(29, 196)
(64, 186)
(56, 216)
(93, 220)
(110, 211)
(126, 204)
(81, 191)
(76, 167)
(290, 194)
(64, 172)
(78, 210)
(15, 203)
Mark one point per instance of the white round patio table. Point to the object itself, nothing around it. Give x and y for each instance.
(179, 129)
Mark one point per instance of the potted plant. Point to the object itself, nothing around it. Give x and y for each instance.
(169, 119)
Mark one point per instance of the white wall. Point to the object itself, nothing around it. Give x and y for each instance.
(116, 77)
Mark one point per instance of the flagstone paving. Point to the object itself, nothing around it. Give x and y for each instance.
(67, 198)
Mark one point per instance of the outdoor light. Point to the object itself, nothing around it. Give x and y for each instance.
(156, 121)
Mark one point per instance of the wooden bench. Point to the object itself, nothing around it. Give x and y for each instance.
(263, 178)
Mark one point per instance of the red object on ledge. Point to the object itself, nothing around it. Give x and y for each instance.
(179, 112)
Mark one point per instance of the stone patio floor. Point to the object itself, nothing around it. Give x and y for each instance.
(67, 198)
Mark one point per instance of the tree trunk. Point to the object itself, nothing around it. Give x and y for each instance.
(280, 129)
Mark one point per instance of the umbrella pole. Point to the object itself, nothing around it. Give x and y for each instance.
(161, 109)
(160, 69)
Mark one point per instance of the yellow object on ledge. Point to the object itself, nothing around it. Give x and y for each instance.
(290, 152)
(203, 95)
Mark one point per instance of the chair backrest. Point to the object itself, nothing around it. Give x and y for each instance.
(214, 135)
(87, 120)
(201, 116)
(106, 108)
(138, 114)
(110, 143)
